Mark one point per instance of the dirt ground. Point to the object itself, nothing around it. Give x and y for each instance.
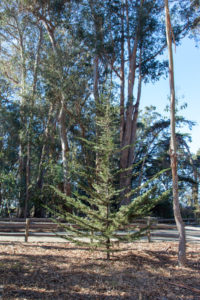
(65, 271)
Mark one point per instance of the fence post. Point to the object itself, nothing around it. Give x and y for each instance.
(149, 229)
(27, 229)
(91, 236)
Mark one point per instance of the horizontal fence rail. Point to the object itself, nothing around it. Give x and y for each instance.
(47, 228)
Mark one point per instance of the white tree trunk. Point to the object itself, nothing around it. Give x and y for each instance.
(65, 148)
(173, 152)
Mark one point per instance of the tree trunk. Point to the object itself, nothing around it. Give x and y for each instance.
(173, 152)
(62, 116)
(22, 183)
(122, 82)
(30, 124)
(28, 158)
(195, 195)
(65, 149)
(23, 122)
(195, 192)
(128, 134)
(44, 150)
(135, 115)
(127, 142)
(96, 99)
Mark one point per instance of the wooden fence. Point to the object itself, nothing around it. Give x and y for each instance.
(28, 227)
(46, 228)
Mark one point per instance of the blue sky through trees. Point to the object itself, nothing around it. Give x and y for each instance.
(187, 82)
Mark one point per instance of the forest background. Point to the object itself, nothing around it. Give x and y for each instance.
(59, 59)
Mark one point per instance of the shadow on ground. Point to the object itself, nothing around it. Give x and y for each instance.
(39, 271)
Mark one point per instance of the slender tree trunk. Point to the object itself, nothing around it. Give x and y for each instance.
(135, 115)
(107, 225)
(22, 156)
(65, 149)
(122, 109)
(195, 193)
(28, 158)
(122, 82)
(29, 124)
(44, 150)
(21, 181)
(96, 99)
(96, 79)
(173, 152)
(39, 210)
(62, 116)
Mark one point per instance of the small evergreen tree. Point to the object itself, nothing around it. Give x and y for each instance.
(94, 213)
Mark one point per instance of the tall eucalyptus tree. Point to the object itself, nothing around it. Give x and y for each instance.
(71, 69)
(173, 147)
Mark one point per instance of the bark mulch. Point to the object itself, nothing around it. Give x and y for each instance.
(64, 271)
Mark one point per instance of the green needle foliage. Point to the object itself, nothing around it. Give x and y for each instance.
(94, 219)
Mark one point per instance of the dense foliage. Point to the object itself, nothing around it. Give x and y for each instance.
(58, 60)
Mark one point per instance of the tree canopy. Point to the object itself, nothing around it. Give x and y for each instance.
(58, 60)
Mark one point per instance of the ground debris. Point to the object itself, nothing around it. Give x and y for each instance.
(64, 271)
